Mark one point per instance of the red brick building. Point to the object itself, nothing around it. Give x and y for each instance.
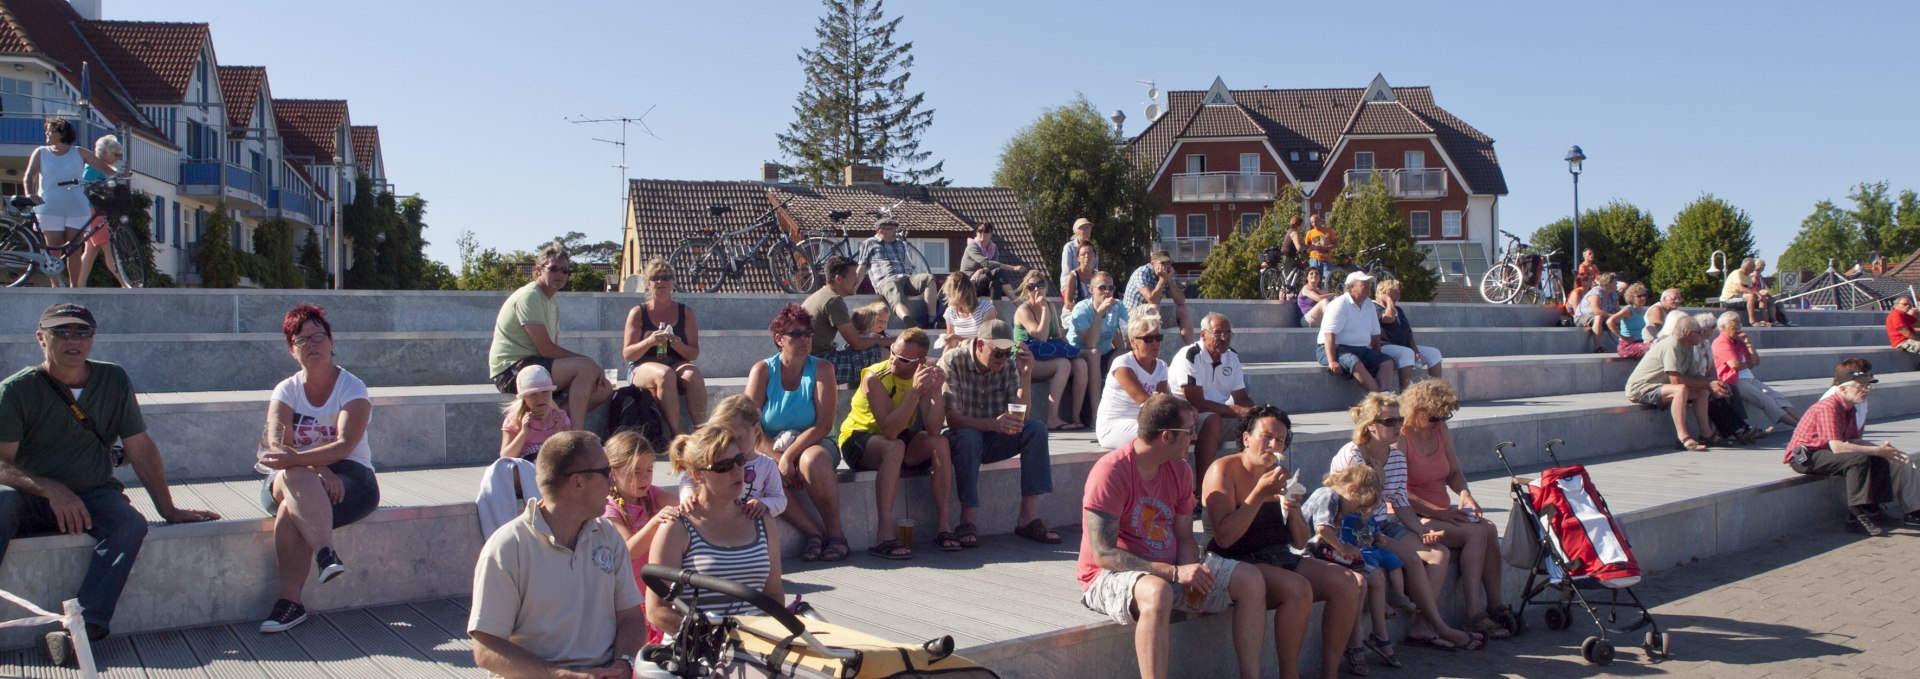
(1218, 158)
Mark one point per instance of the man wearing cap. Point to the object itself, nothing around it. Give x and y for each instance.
(1154, 280)
(984, 384)
(57, 424)
(1828, 442)
(1350, 334)
(982, 264)
(527, 332)
(884, 259)
(1208, 375)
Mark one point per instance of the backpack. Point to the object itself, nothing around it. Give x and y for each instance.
(634, 408)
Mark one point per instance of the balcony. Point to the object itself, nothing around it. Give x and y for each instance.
(1189, 250)
(1219, 186)
(31, 129)
(1406, 183)
(294, 206)
(237, 185)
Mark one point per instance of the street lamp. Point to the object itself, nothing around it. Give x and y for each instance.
(1574, 158)
(1715, 268)
(337, 250)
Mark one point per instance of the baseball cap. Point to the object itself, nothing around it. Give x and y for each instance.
(533, 379)
(996, 333)
(1843, 376)
(1083, 221)
(66, 313)
(1357, 277)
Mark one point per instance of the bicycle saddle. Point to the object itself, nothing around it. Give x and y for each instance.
(839, 215)
(717, 210)
(20, 203)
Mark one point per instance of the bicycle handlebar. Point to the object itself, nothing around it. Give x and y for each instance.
(663, 581)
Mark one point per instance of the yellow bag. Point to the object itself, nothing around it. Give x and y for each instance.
(759, 638)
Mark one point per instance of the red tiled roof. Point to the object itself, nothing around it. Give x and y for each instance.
(308, 126)
(153, 60)
(366, 138)
(1386, 117)
(1223, 121)
(239, 87)
(46, 28)
(1908, 270)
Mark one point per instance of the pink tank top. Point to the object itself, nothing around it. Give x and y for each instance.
(1427, 466)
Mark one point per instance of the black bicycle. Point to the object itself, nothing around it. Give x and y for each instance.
(707, 262)
(822, 244)
(24, 251)
(1373, 267)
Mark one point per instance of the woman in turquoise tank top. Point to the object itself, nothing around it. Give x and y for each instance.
(109, 151)
(797, 395)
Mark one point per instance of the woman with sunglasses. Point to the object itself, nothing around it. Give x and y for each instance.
(1257, 521)
(1037, 320)
(1375, 442)
(660, 352)
(796, 395)
(712, 536)
(1132, 381)
(1433, 469)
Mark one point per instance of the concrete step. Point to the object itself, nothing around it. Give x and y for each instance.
(460, 424)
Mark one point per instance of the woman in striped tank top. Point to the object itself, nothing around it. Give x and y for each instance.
(713, 537)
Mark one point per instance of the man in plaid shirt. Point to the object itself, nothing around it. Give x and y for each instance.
(984, 382)
(1827, 442)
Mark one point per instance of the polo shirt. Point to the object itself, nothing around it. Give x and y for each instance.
(510, 339)
(1193, 366)
(973, 393)
(1351, 324)
(560, 604)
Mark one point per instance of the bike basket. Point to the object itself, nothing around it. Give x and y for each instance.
(1271, 255)
(111, 197)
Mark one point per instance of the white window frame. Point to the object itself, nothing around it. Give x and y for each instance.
(1189, 224)
(1249, 163)
(1418, 219)
(935, 265)
(1367, 156)
(1196, 159)
(1450, 223)
(1415, 160)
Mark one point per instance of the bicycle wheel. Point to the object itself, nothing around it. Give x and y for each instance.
(918, 261)
(1383, 274)
(1500, 283)
(699, 263)
(127, 253)
(16, 242)
(790, 271)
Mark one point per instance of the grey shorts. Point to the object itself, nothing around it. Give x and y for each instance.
(1650, 397)
(898, 289)
(1111, 593)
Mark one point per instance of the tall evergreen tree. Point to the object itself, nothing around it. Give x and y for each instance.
(1703, 226)
(855, 107)
(312, 264)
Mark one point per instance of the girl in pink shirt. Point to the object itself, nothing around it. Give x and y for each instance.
(638, 508)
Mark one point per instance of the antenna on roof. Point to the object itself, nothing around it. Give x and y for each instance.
(1154, 108)
(626, 193)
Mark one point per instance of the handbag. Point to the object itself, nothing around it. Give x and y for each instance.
(1518, 547)
(1045, 350)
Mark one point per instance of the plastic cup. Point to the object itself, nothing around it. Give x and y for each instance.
(903, 531)
(1019, 409)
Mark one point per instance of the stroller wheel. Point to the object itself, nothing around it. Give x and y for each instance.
(1558, 618)
(1597, 651)
(1657, 647)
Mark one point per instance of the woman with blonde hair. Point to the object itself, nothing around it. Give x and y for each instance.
(1136, 376)
(1036, 322)
(712, 536)
(965, 311)
(660, 352)
(108, 150)
(1433, 469)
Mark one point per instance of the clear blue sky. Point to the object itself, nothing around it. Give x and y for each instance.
(1769, 105)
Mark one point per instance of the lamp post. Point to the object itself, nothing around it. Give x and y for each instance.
(339, 250)
(1574, 158)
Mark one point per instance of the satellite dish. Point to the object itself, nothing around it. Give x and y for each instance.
(1154, 112)
(1153, 92)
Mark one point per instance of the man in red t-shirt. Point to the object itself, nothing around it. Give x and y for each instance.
(1138, 558)
(1827, 442)
(1900, 326)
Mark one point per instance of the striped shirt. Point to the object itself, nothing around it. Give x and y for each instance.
(1393, 490)
(746, 564)
(965, 325)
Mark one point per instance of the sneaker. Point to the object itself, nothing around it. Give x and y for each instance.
(1911, 520)
(1863, 524)
(330, 565)
(285, 616)
(59, 648)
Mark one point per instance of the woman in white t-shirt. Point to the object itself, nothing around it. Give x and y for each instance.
(314, 453)
(965, 310)
(1129, 382)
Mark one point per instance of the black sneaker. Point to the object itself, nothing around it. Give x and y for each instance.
(285, 616)
(329, 563)
(1863, 524)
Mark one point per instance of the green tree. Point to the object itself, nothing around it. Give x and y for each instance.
(489, 269)
(1828, 235)
(1624, 239)
(273, 244)
(1703, 226)
(1067, 165)
(1872, 214)
(436, 276)
(1903, 239)
(412, 232)
(855, 107)
(139, 220)
(361, 224)
(1368, 216)
(312, 265)
(219, 268)
(1232, 270)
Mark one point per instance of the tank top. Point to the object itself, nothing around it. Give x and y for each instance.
(679, 327)
(860, 411)
(1048, 320)
(1268, 530)
(746, 564)
(967, 325)
(62, 201)
(1634, 324)
(788, 410)
(1427, 466)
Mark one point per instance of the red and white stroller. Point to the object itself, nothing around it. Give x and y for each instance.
(1568, 540)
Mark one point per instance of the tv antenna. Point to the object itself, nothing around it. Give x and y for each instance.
(625, 122)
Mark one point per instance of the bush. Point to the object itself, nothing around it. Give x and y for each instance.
(219, 264)
(1703, 226)
(1368, 217)
(1232, 271)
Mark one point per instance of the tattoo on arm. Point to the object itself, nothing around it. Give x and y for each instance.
(1106, 544)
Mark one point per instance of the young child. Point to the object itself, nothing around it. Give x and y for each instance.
(764, 495)
(871, 320)
(532, 417)
(1344, 534)
(636, 506)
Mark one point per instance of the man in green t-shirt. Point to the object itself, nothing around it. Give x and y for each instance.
(527, 332)
(56, 472)
(832, 320)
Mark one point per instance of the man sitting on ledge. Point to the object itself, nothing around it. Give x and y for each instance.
(527, 332)
(57, 423)
(1828, 442)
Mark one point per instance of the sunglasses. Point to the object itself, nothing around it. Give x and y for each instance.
(999, 354)
(664, 278)
(1390, 421)
(1150, 339)
(603, 471)
(1036, 286)
(1103, 288)
(908, 361)
(76, 333)
(727, 465)
(562, 269)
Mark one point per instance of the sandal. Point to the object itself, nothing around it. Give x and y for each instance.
(968, 536)
(1037, 531)
(811, 552)
(947, 542)
(1484, 624)
(1691, 443)
(1383, 648)
(891, 549)
(1357, 661)
(1475, 641)
(835, 549)
(1434, 643)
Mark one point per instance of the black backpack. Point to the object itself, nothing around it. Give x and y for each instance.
(634, 408)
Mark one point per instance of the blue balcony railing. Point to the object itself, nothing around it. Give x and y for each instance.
(32, 129)
(199, 173)
(243, 179)
(288, 202)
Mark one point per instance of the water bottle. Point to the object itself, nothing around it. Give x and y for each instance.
(661, 350)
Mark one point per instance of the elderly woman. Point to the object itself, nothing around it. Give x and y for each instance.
(797, 395)
(1629, 323)
(1036, 322)
(1433, 469)
(1596, 307)
(965, 310)
(1135, 376)
(1070, 255)
(1376, 436)
(712, 536)
(662, 342)
(1257, 520)
(1725, 408)
(1313, 298)
(1733, 360)
(109, 151)
(53, 181)
(1396, 336)
(318, 466)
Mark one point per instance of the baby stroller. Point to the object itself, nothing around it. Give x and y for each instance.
(779, 643)
(1571, 544)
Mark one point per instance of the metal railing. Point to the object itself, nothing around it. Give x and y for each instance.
(1852, 301)
(31, 128)
(1212, 186)
(1189, 250)
(1403, 183)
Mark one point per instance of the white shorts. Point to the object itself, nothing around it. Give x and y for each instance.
(1403, 356)
(1116, 433)
(58, 223)
(1111, 594)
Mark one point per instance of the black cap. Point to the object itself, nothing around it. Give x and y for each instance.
(66, 313)
(1843, 376)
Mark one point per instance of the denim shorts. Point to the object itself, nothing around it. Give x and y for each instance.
(360, 497)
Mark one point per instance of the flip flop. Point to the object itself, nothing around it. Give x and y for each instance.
(1691, 443)
(1433, 643)
(811, 552)
(1036, 530)
(967, 534)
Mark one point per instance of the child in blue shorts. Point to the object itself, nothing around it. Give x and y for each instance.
(1346, 533)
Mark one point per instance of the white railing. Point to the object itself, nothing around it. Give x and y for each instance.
(1189, 250)
(1214, 186)
(1403, 183)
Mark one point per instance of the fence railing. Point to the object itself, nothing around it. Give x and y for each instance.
(1212, 186)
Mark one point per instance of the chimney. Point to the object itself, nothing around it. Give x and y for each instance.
(88, 9)
(857, 174)
(770, 173)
